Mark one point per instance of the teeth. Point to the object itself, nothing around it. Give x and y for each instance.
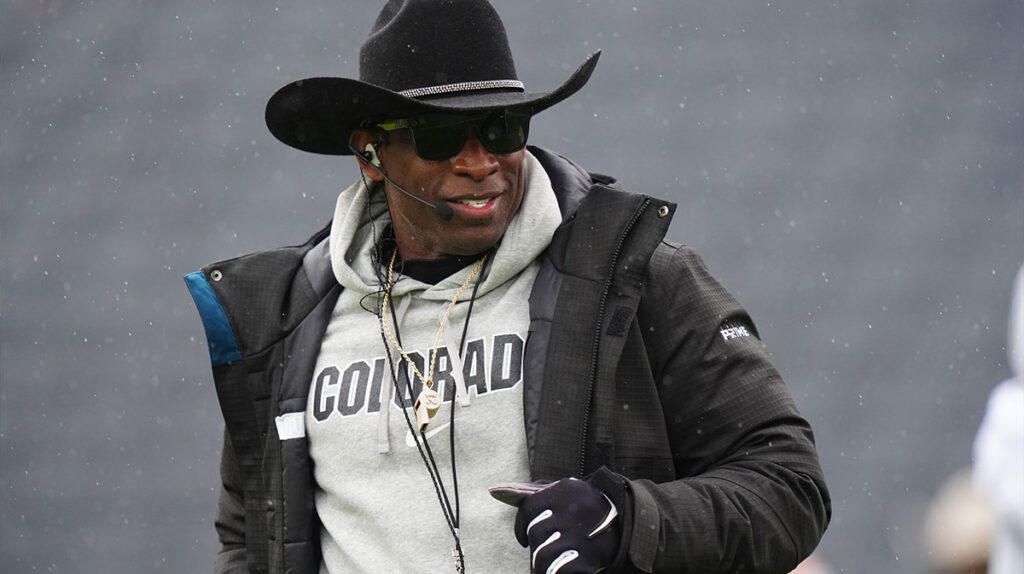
(474, 202)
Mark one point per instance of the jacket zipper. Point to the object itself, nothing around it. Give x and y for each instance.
(592, 376)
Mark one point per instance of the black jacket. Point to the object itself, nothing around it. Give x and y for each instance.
(639, 367)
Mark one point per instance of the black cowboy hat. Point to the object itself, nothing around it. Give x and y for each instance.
(422, 56)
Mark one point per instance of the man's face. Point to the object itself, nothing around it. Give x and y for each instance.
(483, 189)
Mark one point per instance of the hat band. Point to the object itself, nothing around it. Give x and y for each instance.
(462, 87)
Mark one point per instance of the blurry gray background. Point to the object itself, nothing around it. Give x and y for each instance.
(852, 171)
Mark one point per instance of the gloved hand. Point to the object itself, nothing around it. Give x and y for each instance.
(570, 526)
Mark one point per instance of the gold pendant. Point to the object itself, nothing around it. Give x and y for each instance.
(458, 563)
(426, 406)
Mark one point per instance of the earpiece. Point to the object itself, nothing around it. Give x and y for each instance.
(371, 155)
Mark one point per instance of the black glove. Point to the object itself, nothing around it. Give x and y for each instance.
(570, 527)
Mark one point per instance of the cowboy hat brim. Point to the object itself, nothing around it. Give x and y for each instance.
(318, 114)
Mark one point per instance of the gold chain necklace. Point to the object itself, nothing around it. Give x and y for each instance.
(429, 401)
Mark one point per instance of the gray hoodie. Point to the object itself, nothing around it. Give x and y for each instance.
(374, 495)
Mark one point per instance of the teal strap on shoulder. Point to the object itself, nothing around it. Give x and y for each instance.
(220, 337)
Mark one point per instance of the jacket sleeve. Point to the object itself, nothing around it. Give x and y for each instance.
(750, 494)
(230, 521)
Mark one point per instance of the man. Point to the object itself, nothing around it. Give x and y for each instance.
(484, 317)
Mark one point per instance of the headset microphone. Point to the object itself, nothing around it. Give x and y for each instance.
(442, 210)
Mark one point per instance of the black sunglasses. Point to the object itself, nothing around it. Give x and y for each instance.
(438, 137)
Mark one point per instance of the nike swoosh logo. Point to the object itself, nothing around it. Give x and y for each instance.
(410, 441)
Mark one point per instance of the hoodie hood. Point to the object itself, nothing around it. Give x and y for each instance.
(360, 218)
